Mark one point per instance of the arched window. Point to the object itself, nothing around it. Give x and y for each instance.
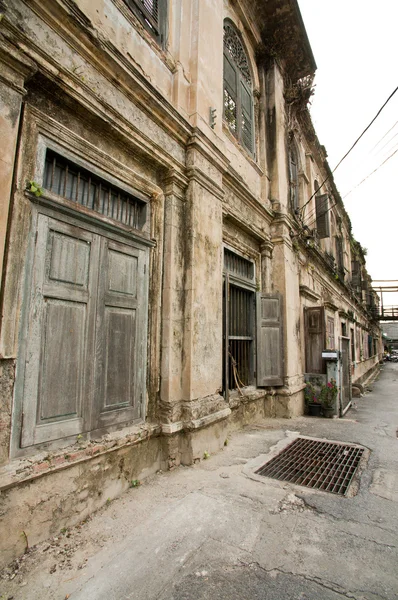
(238, 95)
(293, 177)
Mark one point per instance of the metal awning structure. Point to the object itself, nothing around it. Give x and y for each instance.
(386, 313)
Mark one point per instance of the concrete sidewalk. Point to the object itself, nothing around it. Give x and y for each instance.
(212, 532)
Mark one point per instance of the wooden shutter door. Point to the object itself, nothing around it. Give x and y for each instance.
(246, 116)
(314, 320)
(322, 216)
(120, 338)
(60, 334)
(270, 364)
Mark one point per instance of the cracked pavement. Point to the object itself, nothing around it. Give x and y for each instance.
(211, 531)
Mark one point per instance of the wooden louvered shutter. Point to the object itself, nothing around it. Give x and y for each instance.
(322, 216)
(230, 94)
(247, 117)
(356, 275)
(314, 321)
(270, 363)
(340, 257)
(60, 335)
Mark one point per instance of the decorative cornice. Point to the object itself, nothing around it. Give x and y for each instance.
(308, 293)
(16, 67)
(253, 232)
(196, 174)
(330, 306)
(238, 187)
(175, 184)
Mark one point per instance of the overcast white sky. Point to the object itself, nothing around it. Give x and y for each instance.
(355, 44)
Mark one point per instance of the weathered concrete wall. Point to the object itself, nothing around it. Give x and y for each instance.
(7, 380)
(365, 369)
(62, 490)
(107, 92)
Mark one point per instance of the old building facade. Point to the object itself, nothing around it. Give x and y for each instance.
(175, 255)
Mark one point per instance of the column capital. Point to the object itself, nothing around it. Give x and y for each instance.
(266, 249)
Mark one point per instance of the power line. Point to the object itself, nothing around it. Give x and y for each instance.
(365, 130)
(355, 143)
(370, 174)
(313, 211)
(367, 177)
(381, 139)
(387, 142)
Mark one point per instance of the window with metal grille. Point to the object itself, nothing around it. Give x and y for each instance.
(238, 94)
(152, 14)
(239, 321)
(75, 183)
(237, 265)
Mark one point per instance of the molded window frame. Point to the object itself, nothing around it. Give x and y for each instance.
(294, 169)
(238, 95)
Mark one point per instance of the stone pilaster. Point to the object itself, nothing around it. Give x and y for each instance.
(15, 69)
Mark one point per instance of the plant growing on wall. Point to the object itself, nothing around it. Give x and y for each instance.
(34, 188)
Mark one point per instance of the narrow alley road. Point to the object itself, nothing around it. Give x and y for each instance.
(211, 531)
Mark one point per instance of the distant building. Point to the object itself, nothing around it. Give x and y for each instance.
(390, 335)
(175, 254)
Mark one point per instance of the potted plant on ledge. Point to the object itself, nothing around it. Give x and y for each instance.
(328, 397)
(312, 400)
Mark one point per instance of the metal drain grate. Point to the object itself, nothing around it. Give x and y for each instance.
(327, 466)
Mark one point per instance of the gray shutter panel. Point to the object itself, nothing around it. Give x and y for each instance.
(60, 336)
(356, 275)
(121, 341)
(230, 77)
(270, 363)
(247, 116)
(322, 216)
(314, 321)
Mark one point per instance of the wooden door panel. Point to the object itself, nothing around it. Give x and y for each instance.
(270, 365)
(60, 336)
(68, 259)
(119, 358)
(62, 360)
(122, 273)
(314, 323)
(120, 342)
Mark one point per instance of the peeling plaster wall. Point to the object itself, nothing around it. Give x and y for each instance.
(66, 497)
(94, 81)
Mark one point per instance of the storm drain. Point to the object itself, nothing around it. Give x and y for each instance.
(327, 466)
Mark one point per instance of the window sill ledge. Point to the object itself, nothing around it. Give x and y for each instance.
(26, 469)
(231, 138)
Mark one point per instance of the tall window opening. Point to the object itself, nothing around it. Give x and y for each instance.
(86, 325)
(293, 177)
(322, 212)
(330, 341)
(340, 257)
(239, 321)
(352, 339)
(238, 94)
